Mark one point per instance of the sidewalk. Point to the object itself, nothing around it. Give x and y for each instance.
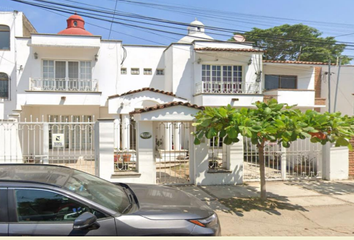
(295, 208)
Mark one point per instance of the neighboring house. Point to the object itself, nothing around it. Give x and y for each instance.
(77, 98)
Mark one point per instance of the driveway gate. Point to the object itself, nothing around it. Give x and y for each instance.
(172, 152)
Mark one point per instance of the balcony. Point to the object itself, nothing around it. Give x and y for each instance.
(219, 93)
(218, 87)
(300, 97)
(63, 85)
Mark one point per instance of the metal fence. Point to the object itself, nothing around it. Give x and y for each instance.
(63, 140)
(125, 158)
(217, 156)
(302, 160)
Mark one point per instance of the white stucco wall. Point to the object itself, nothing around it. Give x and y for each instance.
(305, 74)
(215, 100)
(175, 113)
(345, 98)
(142, 57)
(128, 103)
(55, 40)
(8, 58)
(304, 98)
(168, 69)
(202, 44)
(182, 70)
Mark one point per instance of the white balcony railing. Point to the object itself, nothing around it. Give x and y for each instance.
(218, 87)
(63, 84)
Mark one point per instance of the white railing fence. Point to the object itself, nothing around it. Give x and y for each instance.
(63, 84)
(219, 87)
(302, 160)
(68, 143)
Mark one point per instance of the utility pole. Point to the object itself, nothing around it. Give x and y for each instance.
(335, 96)
(329, 85)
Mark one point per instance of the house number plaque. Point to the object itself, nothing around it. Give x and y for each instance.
(145, 135)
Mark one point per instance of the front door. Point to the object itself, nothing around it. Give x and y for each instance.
(41, 212)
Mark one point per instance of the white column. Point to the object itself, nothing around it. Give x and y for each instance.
(45, 143)
(283, 163)
(117, 133)
(145, 154)
(177, 136)
(104, 148)
(335, 162)
(167, 136)
(125, 131)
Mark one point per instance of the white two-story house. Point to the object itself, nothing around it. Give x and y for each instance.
(59, 85)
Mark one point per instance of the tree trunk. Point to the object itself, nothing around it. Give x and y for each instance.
(262, 171)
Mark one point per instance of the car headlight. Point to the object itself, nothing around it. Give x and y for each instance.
(206, 222)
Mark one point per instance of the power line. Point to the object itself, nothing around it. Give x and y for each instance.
(115, 7)
(141, 27)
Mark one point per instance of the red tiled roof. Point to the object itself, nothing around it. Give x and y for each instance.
(166, 105)
(297, 62)
(228, 49)
(144, 89)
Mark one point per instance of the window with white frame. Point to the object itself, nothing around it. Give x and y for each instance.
(67, 75)
(123, 71)
(135, 71)
(221, 79)
(147, 71)
(160, 72)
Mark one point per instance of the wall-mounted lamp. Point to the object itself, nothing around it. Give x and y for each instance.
(96, 57)
(35, 55)
(250, 61)
(199, 61)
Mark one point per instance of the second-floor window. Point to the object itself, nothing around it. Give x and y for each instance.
(134, 71)
(147, 71)
(160, 72)
(4, 37)
(67, 75)
(222, 79)
(280, 81)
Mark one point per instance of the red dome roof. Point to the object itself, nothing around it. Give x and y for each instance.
(75, 16)
(75, 26)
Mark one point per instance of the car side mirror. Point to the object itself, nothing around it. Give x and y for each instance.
(86, 221)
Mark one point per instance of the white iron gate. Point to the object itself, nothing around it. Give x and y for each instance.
(302, 160)
(63, 140)
(172, 152)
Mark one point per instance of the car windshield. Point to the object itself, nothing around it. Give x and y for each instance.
(102, 192)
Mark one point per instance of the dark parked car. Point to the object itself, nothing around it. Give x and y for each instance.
(53, 200)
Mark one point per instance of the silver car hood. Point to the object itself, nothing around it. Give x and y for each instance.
(159, 202)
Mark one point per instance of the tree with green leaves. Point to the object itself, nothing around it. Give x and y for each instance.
(274, 122)
(296, 42)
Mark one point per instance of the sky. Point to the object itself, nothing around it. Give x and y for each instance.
(332, 18)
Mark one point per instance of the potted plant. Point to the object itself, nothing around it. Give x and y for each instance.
(126, 157)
